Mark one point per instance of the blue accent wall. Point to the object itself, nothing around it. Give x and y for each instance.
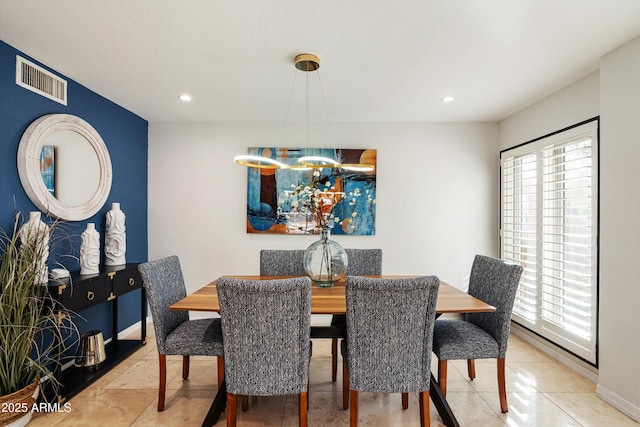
(126, 137)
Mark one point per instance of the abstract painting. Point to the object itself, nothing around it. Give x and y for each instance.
(48, 168)
(271, 205)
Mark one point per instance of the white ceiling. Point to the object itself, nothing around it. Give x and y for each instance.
(380, 60)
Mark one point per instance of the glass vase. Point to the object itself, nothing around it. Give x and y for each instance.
(325, 261)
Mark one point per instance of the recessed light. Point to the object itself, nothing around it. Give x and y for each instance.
(185, 98)
(447, 99)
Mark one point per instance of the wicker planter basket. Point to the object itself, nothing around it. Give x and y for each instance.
(18, 404)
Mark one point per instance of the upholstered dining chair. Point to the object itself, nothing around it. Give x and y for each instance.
(481, 335)
(361, 262)
(389, 337)
(282, 262)
(175, 333)
(267, 344)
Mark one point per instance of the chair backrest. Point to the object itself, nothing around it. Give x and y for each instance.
(390, 333)
(266, 334)
(364, 261)
(495, 282)
(281, 262)
(274, 262)
(163, 281)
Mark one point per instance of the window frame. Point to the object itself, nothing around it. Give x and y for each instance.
(536, 147)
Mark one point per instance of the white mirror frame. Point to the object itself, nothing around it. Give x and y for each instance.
(29, 166)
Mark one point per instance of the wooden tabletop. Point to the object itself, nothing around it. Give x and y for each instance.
(332, 300)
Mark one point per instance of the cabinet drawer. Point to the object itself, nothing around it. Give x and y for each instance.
(126, 281)
(77, 296)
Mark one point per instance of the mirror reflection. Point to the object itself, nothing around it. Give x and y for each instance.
(70, 167)
(64, 167)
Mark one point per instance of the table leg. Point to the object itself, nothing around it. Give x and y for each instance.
(217, 407)
(441, 404)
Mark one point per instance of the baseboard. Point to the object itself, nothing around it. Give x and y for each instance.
(125, 333)
(623, 405)
(202, 315)
(320, 319)
(578, 366)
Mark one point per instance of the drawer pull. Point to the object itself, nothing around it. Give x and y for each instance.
(90, 295)
(132, 281)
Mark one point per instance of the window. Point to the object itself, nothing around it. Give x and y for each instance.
(549, 224)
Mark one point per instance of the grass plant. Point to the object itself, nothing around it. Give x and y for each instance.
(34, 328)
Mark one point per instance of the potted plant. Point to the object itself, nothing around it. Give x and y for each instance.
(32, 339)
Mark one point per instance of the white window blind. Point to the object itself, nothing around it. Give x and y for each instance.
(549, 226)
(519, 227)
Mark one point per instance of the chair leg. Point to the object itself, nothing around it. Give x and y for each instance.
(244, 402)
(232, 410)
(220, 370)
(334, 359)
(442, 376)
(162, 358)
(405, 400)
(303, 408)
(425, 410)
(353, 410)
(502, 386)
(185, 367)
(345, 387)
(471, 368)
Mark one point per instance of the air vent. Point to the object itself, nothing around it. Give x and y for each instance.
(37, 79)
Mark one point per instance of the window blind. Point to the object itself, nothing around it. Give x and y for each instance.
(549, 226)
(519, 227)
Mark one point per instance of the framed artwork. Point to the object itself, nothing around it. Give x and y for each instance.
(277, 198)
(48, 168)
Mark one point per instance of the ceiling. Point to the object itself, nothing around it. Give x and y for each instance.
(381, 61)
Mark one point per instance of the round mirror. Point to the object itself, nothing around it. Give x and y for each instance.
(64, 167)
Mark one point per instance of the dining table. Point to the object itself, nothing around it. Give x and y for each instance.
(332, 300)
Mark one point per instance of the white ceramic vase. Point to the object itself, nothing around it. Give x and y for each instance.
(90, 250)
(36, 232)
(115, 242)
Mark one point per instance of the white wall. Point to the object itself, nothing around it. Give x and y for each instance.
(573, 104)
(620, 230)
(437, 196)
(614, 94)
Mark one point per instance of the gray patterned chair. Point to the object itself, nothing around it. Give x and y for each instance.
(267, 345)
(481, 335)
(175, 333)
(389, 337)
(282, 262)
(361, 262)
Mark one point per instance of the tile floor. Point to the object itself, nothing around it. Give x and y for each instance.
(541, 392)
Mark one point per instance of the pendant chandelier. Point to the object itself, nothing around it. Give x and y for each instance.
(308, 63)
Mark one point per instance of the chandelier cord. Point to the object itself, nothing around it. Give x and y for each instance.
(305, 62)
(286, 115)
(307, 127)
(326, 112)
